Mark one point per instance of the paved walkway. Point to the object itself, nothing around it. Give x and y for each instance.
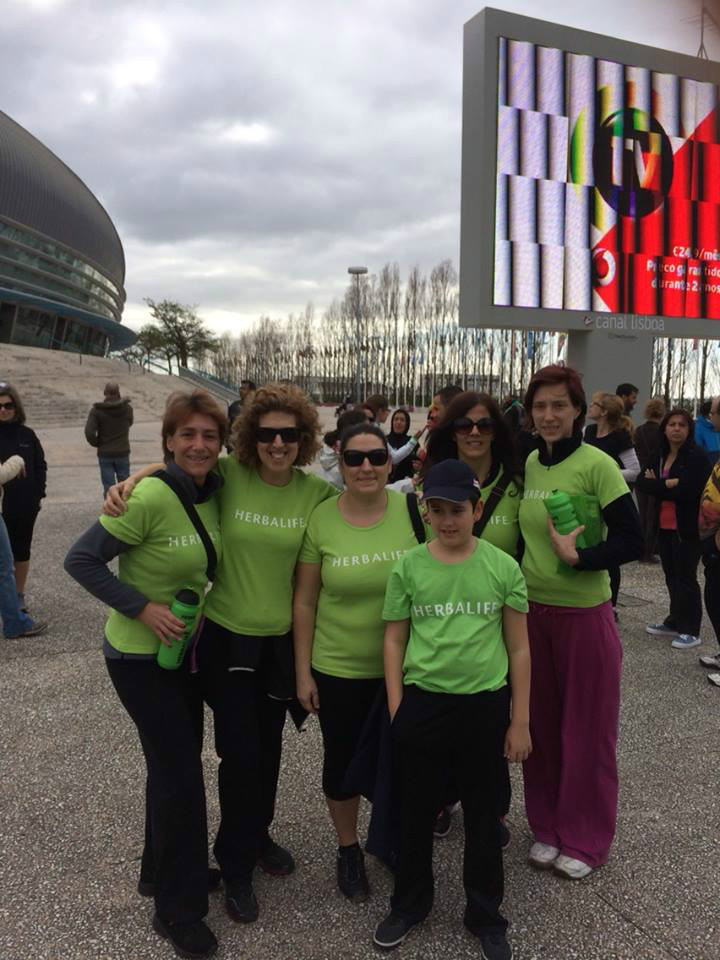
(72, 784)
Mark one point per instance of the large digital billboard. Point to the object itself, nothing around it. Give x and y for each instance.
(603, 159)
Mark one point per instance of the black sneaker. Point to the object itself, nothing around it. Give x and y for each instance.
(241, 903)
(493, 946)
(146, 888)
(36, 628)
(191, 940)
(391, 931)
(351, 877)
(443, 823)
(276, 860)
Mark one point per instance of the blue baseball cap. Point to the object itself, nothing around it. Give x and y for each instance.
(451, 480)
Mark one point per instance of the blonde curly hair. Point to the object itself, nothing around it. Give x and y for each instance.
(284, 397)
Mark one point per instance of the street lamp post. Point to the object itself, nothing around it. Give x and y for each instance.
(358, 272)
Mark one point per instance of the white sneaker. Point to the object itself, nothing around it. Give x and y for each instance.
(542, 855)
(570, 868)
(683, 641)
(713, 663)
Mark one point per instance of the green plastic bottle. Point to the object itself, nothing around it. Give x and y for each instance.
(185, 607)
(562, 512)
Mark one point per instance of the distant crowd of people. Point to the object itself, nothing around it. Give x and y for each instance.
(422, 597)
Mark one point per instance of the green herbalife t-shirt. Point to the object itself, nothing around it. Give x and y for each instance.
(167, 555)
(262, 530)
(586, 472)
(503, 528)
(356, 563)
(455, 610)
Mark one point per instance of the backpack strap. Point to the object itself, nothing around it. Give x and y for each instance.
(194, 516)
(415, 519)
(496, 495)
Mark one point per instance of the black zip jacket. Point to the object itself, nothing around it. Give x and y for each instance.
(624, 541)
(692, 468)
(23, 494)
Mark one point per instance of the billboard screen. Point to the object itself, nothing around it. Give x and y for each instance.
(591, 181)
(608, 186)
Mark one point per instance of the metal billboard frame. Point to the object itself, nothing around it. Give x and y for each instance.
(479, 153)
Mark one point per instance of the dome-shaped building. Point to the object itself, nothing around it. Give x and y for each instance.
(62, 266)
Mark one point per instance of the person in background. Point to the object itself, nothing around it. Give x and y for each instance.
(677, 479)
(628, 393)
(16, 623)
(571, 779)
(21, 502)
(706, 436)
(647, 438)
(709, 529)
(441, 400)
(398, 437)
(328, 455)
(108, 429)
(380, 407)
(247, 389)
(514, 412)
(612, 433)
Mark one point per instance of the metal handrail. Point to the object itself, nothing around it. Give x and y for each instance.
(211, 383)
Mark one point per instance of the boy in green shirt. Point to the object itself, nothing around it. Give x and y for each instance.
(462, 603)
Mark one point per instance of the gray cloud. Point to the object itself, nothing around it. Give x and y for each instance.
(248, 153)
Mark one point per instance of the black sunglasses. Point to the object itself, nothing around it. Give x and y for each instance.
(465, 425)
(268, 434)
(355, 458)
(10, 405)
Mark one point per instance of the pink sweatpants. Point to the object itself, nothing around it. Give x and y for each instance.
(571, 781)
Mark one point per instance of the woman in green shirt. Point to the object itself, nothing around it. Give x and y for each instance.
(474, 430)
(244, 652)
(160, 553)
(571, 782)
(350, 547)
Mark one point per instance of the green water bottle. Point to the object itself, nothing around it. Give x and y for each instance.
(562, 512)
(185, 607)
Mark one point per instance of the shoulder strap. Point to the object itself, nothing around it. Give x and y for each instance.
(496, 495)
(415, 518)
(194, 519)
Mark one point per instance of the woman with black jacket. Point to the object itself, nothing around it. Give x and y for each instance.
(677, 480)
(21, 503)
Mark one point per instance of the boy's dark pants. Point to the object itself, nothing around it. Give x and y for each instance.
(436, 735)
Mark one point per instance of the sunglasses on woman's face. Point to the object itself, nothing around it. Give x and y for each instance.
(7, 406)
(355, 458)
(464, 425)
(268, 434)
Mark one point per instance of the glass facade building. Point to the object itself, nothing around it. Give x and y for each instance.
(62, 266)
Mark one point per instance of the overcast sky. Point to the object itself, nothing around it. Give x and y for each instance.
(248, 151)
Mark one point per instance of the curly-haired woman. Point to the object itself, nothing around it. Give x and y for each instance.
(244, 652)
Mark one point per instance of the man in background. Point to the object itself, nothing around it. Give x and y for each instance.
(379, 406)
(706, 435)
(628, 393)
(247, 389)
(108, 430)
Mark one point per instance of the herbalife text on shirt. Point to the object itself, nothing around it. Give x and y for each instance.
(265, 520)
